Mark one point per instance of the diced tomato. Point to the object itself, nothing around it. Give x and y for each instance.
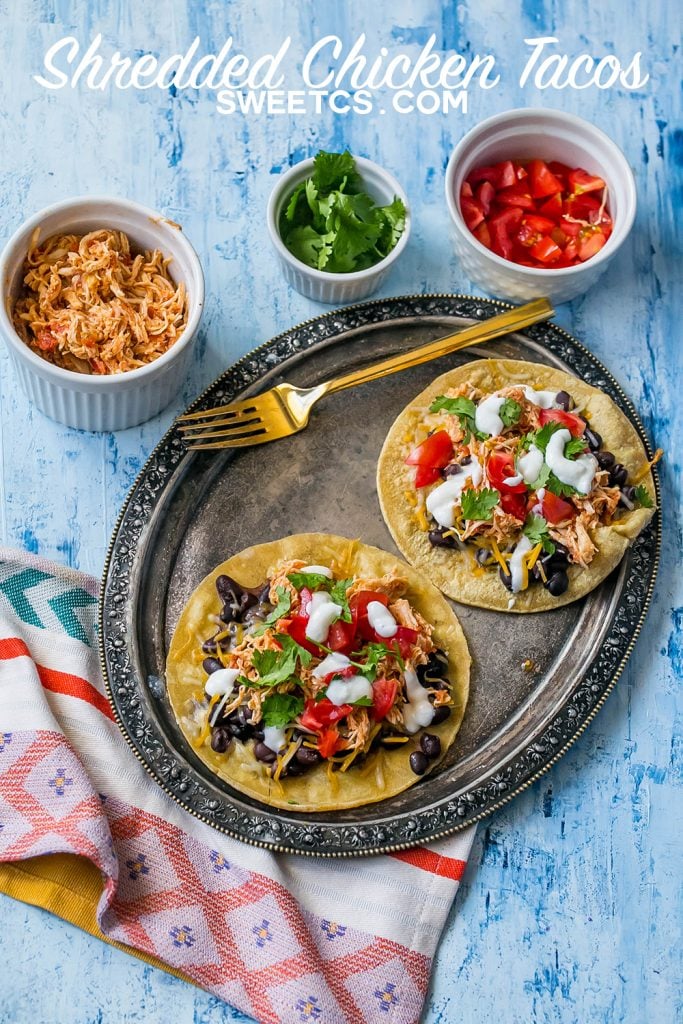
(514, 505)
(499, 466)
(329, 742)
(579, 182)
(425, 475)
(435, 451)
(556, 510)
(501, 227)
(383, 696)
(517, 195)
(46, 339)
(485, 173)
(506, 174)
(581, 207)
(358, 604)
(305, 596)
(319, 714)
(297, 630)
(590, 244)
(574, 424)
(541, 224)
(559, 238)
(485, 195)
(527, 236)
(558, 169)
(466, 190)
(570, 227)
(552, 207)
(483, 234)
(521, 171)
(341, 636)
(542, 180)
(545, 250)
(472, 212)
(571, 250)
(405, 637)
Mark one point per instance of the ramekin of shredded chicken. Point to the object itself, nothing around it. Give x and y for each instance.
(92, 304)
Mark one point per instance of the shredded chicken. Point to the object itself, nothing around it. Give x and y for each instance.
(91, 306)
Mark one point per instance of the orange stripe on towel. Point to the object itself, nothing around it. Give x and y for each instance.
(427, 860)
(57, 682)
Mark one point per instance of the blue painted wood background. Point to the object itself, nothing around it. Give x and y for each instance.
(570, 908)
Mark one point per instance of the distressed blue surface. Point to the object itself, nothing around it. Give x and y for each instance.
(570, 908)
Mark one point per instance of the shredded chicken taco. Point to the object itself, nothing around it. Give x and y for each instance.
(514, 486)
(318, 673)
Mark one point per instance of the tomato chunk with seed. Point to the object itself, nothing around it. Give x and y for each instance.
(499, 468)
(543, 181)
(574, 424)
(383, 696)
(556, 510)
(435, 451)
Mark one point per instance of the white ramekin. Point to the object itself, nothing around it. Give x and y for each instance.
(545, 135)
(113, 401)
(318, 284)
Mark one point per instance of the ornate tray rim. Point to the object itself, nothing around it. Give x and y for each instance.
(534, 761)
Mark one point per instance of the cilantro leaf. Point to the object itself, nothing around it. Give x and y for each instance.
(542, 478)
(541, 437)
(274, 667)
(536, 529)
(362, 702)
(333, 171)
(479, 505)
(574, 447)
(509, 412)
(279, 709)
(643, 496)
(556, 486)
(338, 595)
(369, 658)
(329, 223)
(464, 409)
(284, 604)
(311, 580)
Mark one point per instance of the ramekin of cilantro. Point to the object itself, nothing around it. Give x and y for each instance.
(337, 223)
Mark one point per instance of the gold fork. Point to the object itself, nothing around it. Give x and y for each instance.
(285, 409)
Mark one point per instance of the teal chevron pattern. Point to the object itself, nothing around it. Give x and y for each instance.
(62, 599)
(63, 606)
(14, 590)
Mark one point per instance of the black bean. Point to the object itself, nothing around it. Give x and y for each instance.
(452, 469)
(605, 460)
(307, 757)
(441, 714)
(431, 745)
(264, 753)
(466, 461)
(629, 492)
(593, 438)
(211, 665)
(482, 555)
(263, 593)
(431, 674)
(220, 740)
(419, 762)
(210, 646)
(438, 540)
(561, 550)
(564, 400)
(505, 579)
(558, 583)
(618, 475)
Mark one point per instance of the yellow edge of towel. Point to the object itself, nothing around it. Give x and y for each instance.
(70, 887)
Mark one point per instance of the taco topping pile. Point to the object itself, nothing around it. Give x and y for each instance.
(519, 479)
(311, 668)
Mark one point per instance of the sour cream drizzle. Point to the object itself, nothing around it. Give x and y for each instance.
(419, 711)
(441, 501)
(274, 738)
(578, 473)
(221, 682)
(530, 465)
(381, 619)
(322, 612)
(523, 547)
(543, 399)
(334, 662)
(347, 691)
(486, 416)
(321, 570)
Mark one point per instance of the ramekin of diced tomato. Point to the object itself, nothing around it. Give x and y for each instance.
(540, 202)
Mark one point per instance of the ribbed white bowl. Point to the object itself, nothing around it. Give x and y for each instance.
(112, 401)
(338, 289)
(546, 135)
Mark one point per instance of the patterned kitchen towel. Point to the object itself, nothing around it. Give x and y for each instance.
(86, 833)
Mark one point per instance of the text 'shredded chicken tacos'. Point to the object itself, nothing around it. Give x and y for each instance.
(316, 673)
(513, 485)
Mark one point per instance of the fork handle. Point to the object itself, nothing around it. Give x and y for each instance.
(512, 320)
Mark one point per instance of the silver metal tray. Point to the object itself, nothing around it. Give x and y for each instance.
(189, 511)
